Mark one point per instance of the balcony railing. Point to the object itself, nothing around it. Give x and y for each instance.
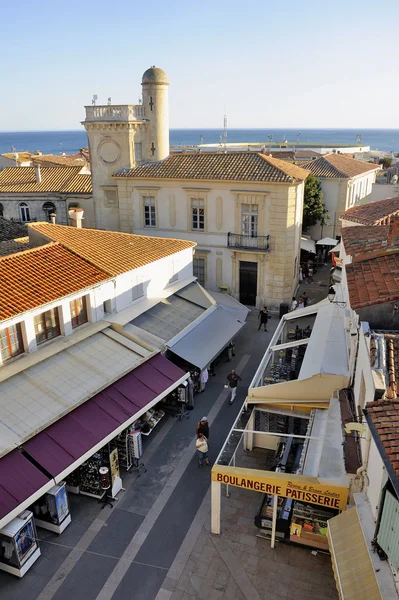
(248, 242)
(123, 112)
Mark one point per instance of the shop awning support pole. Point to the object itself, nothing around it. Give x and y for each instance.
(227, 485)
(274, 521)
(215, 506)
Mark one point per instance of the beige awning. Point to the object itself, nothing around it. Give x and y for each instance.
(353, 569)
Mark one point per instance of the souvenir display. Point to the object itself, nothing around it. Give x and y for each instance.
(18, 545)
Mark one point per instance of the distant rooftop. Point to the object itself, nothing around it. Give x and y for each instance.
(373, 213)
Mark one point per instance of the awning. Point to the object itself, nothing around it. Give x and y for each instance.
(308, 245)
(202, 344)
(43, 393)
(21, 483)
(353, 569)
(327, 242)
(336, 248)
(66, 444)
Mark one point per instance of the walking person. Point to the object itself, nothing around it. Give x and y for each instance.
(294, 303)
(203, 427)
(196, 381)
(202, 450)
(232, 382)
(203, 379)
(310, 274)
(305, 299)
(301, 303)
(263, 318)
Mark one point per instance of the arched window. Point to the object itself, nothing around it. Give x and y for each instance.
(1, 210)
(24, 212)
(48, 209)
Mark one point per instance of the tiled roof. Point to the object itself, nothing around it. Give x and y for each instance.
(373, 281)
(67, 160)
(13, 246)
(111, 251)
(41, 275)
(374, 213)
(384, 415)
(22, 156)
(10, 230)
(392, 364)
(365, 239)
(19, 180)
(338, 166)
(230, 166)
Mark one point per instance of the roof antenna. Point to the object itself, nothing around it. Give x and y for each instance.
(225, 130)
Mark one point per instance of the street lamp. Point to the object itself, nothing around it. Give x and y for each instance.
(331, 296)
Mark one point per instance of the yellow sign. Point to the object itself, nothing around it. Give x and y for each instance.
(297, 487)
(114, 464)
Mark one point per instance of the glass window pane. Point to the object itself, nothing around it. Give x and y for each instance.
(46, 326)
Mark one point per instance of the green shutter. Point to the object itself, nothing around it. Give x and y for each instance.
(388, 534)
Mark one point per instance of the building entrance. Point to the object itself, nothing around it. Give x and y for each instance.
(248, 282)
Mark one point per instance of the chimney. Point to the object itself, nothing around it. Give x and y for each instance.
(393, 232)
(38, 173)
(76, 216)
(52, 217)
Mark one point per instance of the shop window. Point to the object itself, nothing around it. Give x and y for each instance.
(48, 209)
(47, 326)
(249, 219)
(11, 343)
(24, 212)
(199, 270)
(149, 211)
(198, 214)
(78, 311)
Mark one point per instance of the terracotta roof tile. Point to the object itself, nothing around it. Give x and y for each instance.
(338, 166)
(41, 275)
(366, 239)
(381, 413)
(111, 251)
(18, 180)
(67, 160)
(230, 166)
(373, 281)
(10, 230)
(374, 213)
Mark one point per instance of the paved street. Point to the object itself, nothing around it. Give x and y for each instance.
(155, 542)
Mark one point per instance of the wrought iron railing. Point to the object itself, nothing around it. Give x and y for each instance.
(249, 242)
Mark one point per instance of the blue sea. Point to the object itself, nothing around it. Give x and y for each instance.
(58, 142)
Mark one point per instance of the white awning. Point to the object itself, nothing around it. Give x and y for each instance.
(308, 245)
(336, 248)
(327, 242)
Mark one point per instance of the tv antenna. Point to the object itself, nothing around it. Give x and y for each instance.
(109, 101)
(94, 100)
(225, 131)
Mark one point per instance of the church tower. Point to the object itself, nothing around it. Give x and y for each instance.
(123, 137)
(155, 100)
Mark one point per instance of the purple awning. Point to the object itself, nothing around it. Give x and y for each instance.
(66, 441)
(19, 481)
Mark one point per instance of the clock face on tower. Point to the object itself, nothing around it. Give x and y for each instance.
(109, 151)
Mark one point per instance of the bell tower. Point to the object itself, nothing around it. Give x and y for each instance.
(155, 101)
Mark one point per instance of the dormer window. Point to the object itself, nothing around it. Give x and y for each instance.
(78, 311)
(11, 343)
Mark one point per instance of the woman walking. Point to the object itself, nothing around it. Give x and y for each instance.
(202, 450)
(263, 318)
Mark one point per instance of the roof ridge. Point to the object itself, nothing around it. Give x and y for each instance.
(272, 160)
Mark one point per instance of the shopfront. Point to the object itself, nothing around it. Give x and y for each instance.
(83, 453)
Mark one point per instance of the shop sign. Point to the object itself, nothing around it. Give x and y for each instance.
(297, 487)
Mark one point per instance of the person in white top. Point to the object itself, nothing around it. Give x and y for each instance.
(202, 450)
(204, 376)
(294, 304)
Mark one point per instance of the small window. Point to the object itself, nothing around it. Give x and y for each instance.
(11, 343)
(47, 326)
(1, 210)
(78, 311)
(199, 270)
(249, 219)
(149, 211)
(138, 153)
(137, 291)
(24, 212)
(48, 209)
(198, 214)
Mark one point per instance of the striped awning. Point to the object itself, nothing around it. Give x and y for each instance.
(353, 570)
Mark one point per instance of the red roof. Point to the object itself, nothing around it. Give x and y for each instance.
(373, 281)
(364, 240)
(374, 213)
(384, 415)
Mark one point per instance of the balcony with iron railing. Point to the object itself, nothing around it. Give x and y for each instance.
(121, 113)
(248, 242)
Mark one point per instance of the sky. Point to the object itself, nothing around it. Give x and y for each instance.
(306, 64)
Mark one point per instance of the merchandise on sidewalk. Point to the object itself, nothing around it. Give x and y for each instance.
(18, 545)
(51, 511)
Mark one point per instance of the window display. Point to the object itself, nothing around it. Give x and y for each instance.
(18, 545)
(309, 524)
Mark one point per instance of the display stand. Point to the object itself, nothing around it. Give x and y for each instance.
(18, 545)
(89, 476)
(153, 426)
(106, 486)
(52, 510)
(136, 449)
